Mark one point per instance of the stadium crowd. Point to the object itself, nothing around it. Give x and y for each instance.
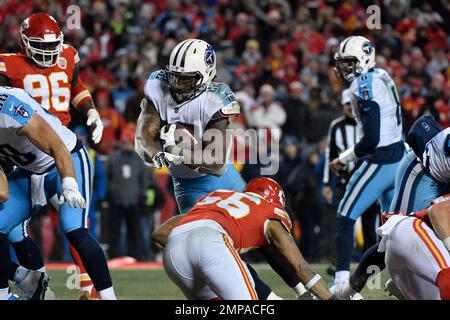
(276, 55)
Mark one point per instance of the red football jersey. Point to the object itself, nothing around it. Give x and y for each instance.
(243, 216)
(51, 86)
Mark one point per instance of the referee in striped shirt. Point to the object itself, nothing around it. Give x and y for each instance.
(343, 134)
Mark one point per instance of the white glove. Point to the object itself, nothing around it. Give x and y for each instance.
(166, 159)
(341, 288)
(71, 195)
(167, 134)
(93, 118)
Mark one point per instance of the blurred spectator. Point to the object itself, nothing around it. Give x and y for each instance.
(302, 187)
(120, 94)
(297, 113)
(251, 55)
(127, 193)
(321, 115)
(112, 120)
(266, 113)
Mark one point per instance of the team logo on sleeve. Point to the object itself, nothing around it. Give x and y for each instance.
(21, 111)
(62, 62)
(210, 56)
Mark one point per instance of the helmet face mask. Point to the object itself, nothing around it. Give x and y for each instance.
(346, 69)
(184, 86)
(41, 39)
(44, 53)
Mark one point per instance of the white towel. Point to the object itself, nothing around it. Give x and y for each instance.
(37, 190)
(385, 230)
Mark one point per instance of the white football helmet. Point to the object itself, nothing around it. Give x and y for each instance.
(192, 66)
(355, 55)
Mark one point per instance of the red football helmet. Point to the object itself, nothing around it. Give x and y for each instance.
(267, 188)
(41, 39)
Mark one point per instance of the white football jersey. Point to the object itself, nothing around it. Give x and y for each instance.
(379, 87)
(436, 156)
(216, 101)
(17, 108)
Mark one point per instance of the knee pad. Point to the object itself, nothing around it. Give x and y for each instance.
(443, 283)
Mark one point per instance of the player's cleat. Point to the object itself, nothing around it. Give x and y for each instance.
(391, 289)
(357, 296)
(306, 296)
(34, 285)
(274, 296)
(49, 294)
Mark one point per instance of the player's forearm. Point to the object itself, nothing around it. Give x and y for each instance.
(439, 215)
(63, 161)
(85, 106)
(147, 129)
(160, 235)
(39, 132)
(285, 246)
(81, 97)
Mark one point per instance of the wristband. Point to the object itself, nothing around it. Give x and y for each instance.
(348, 156)
(312, 282)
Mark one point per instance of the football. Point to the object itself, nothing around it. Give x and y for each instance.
(185, 136)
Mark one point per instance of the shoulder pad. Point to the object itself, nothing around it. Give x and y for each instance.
(158, 75)
(71, 51)
(223, 92)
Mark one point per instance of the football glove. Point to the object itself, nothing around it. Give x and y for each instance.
(93, 118)
(166, 159)
(167, 134)
(71, 195)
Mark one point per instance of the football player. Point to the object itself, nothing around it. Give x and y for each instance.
(201, 249)
(423, 175)
(47, 69)
(417, 248)
(38, 144)
(377, 111)
(185, 93)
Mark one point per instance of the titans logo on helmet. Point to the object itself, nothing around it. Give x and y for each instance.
(367, 48)
(210, 56)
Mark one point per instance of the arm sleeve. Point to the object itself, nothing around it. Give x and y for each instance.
(80, 94)
(370, 119)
